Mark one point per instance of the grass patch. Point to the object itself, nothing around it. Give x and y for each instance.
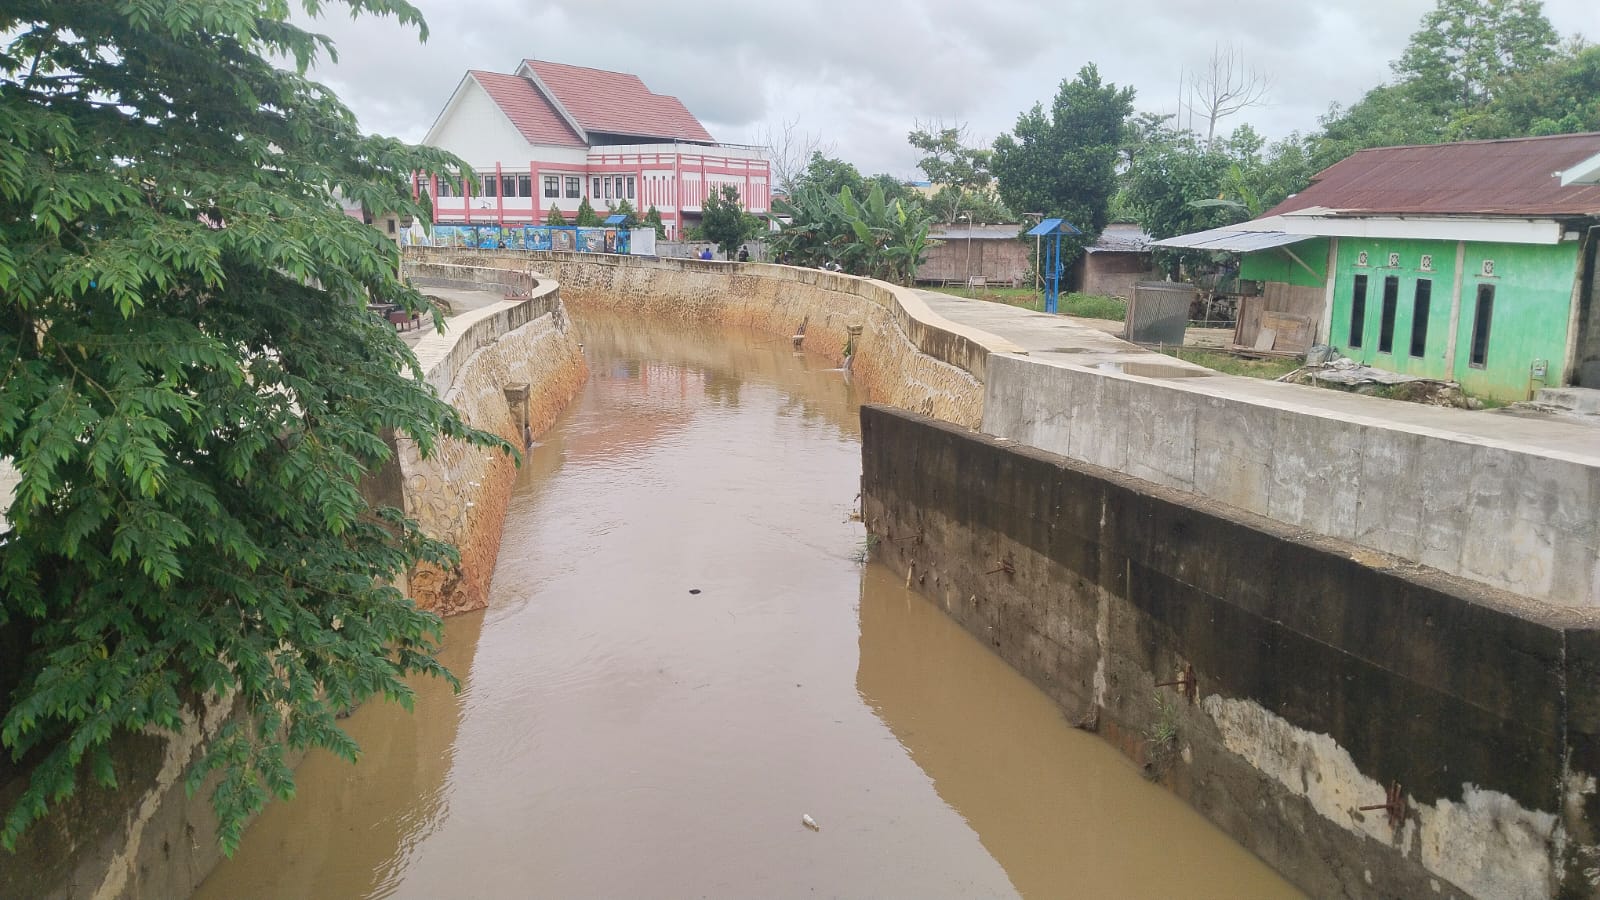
(1087, 306)
(1094, 306)
(1229, 364)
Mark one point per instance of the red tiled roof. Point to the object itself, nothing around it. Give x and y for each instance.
(1517, 177)
(528, 109)
(618, 103)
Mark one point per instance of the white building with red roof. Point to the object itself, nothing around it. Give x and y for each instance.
(552, 134)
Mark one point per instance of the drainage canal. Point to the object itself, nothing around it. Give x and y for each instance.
(684, 656)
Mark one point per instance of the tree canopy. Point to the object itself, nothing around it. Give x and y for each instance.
(1063, 161)
(724, 222)
(193, 388)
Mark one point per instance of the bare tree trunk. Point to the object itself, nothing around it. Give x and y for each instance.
(1224, 87)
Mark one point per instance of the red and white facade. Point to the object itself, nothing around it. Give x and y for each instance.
(553, 135)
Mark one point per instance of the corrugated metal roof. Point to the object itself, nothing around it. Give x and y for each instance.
(618, 103)
(1517, 177)
(527, 109)
(1233, 239)
(1120, 237)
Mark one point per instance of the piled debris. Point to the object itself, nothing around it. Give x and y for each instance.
(1325, 368)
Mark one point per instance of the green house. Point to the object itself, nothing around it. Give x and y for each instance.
(1471, 262)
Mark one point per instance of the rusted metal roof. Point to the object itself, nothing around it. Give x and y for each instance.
(1515, 177)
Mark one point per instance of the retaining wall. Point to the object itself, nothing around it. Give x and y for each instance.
(1495, 512)
(1325, 673)
(460, 493)
(906, 355)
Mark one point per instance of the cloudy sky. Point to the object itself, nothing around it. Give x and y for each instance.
(860, 73)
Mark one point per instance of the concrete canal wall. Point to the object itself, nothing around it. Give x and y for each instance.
(509, 368)
(905, 356)
(1509, 514)
(1324, 674)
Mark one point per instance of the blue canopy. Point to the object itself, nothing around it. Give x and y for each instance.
(1053, 226)
(615, 219)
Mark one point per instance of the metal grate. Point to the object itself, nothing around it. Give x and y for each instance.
(1159, 312)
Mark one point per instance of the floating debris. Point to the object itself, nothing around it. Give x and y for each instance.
(807, 821)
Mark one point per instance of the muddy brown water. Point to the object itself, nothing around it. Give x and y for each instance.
(620, 735)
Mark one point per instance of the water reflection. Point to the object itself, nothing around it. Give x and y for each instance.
(1062, 811)
(675, 667)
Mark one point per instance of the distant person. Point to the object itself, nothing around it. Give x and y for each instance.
(744, 254)
(502, 245)
(706, 253)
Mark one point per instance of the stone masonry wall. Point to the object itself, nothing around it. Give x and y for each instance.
(906, 355)
(1324, 676)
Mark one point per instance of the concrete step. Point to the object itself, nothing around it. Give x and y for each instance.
(1576, 399)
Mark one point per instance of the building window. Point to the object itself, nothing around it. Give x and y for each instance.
(605, 185)
(616, 184)
(574, 187)
(391, 226)
(1358, 310)
(1480, 327)
(594, 189)
(445, 188)
(1421, 304)
(552, 187)
(630, 187)
(487, 186)
(1391, 300)
(508, 185)
(524, 185)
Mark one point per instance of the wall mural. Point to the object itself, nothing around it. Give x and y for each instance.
(525, 237)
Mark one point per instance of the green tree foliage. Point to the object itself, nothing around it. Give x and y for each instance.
(951, 204)
(1463, 48)
(629, 214)
(555, 216)
(192, 389)
(724, 222)
(960, 172)
(1473, 69)
(652, 218)
(1560, 97)
(587, 217)
(828, 175)
(1062, 162)
(1184, 184)
(878, 238)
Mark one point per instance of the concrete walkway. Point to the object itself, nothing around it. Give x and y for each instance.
(1068, 341)
(461, 302)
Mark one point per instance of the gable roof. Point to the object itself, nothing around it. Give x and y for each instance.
(528, 109)
(1516, 177)
(615, 103)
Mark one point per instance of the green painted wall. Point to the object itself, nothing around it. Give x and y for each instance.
(1533, 298)
(1277, 265)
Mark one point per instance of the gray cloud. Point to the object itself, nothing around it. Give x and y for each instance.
(861, 73)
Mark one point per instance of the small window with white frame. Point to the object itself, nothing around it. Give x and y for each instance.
(574, 187)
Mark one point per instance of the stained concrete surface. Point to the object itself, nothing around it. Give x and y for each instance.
(1065, 340)
(684, 654)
